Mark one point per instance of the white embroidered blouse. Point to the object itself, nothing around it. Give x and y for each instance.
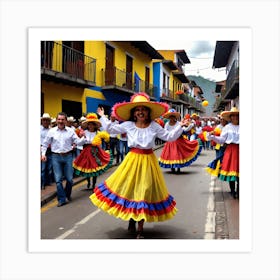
(142, 138)
(230, 134)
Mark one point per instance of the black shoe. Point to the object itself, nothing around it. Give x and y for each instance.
(131, 225)
(61, 204)
(232, 189)
(69, 198)
(232, 193)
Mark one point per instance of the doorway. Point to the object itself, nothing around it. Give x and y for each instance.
(128, 72)
(72, 108)
(110, 75)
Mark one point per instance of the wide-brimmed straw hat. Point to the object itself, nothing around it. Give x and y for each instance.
(226, 114)
(92, 117)
(82, 119)
(71, 119)
(172, 112)
(194, 115)
(46, 116)
(122, 110)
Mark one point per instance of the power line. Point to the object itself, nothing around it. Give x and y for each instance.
(201, 57)
(197, 69)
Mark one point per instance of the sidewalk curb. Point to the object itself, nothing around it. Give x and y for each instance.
(221, 228)
(227, 212)
(47, 198)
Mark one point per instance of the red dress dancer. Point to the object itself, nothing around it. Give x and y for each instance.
(179, 153)
(93, 160)
(229, 169)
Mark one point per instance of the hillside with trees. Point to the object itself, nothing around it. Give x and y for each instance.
(208, 88)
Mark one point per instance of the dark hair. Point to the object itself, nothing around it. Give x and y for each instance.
(95, 126)
(132, 111)
(62, 114)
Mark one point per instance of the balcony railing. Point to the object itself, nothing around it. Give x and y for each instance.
(168, 93)
(143, 86)
(232, 77)
(192, 102)
(220, 101)
(114, 77)
(230, 90)
(58, 58)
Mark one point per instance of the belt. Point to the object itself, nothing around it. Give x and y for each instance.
(141, 151)
(63, 154)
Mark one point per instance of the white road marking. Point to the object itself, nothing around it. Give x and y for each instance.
(210, 225)
(83, 221)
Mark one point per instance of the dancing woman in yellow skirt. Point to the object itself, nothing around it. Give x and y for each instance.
(136, 191)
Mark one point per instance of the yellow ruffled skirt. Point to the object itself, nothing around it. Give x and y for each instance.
(136, 190)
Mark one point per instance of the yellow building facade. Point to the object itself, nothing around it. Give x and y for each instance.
(79, 76)
(59, 84)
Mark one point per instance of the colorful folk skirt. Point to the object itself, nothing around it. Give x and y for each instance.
(92, 161)
(136, 190)
(226, 166)
(179, 153)
(214, 167)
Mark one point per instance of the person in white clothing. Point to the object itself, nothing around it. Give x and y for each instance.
(46, 166)
(61, 139)
(82, 126)
(136, 191)
(93, 160)
(229, 170)
(181, 152)
(114, 141)
(123, 147)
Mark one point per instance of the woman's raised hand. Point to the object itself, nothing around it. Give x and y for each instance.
(184, 122)
(100, 111)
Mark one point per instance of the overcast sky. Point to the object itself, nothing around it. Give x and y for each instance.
(200, 53)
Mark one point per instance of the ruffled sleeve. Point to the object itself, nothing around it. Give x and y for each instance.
(112, 128)
(166, 135)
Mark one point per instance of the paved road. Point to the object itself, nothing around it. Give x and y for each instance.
(191, 189)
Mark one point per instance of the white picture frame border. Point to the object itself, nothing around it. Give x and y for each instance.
(260, 262)
(244, 36)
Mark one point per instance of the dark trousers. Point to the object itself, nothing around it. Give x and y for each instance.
(115, 148)
(62, 167)
(46, 171)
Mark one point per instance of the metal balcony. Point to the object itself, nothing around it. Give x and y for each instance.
(143, 86)
(192, 103)
(221, 102)
(232, 82)
(60, 62)
(168, 93)
(122, 81)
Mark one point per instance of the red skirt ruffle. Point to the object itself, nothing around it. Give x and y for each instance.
(92, 161)
(179, 153)
(230, 163)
